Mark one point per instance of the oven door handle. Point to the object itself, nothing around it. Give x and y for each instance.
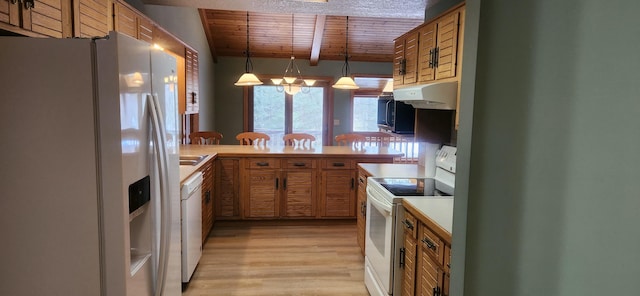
(382, 205)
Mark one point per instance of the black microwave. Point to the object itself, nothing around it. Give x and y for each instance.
(395, 116)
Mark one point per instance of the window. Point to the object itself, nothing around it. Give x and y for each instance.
(365, 114)
(278, 113)
(365, 102)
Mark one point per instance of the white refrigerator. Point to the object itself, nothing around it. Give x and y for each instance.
(89, 184)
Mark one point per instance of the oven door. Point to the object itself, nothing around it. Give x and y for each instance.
(379, 239)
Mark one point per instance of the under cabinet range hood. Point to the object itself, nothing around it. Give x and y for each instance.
(438, 95)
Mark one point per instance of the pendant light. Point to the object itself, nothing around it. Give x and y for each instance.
(248, 78)
(346, 82)
(292, 82)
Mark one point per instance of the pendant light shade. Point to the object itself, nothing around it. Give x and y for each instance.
(248, 78)
(346, 82)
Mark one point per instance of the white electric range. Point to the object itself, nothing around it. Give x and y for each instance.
(384, 215)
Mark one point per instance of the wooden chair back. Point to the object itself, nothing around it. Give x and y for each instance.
(353, 140)
(253, 138)
(205, 138)
(298, 140)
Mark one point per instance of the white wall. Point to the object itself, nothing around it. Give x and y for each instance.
(549, 150)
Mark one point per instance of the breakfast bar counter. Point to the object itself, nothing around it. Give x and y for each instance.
(213, 151)
(281, 182)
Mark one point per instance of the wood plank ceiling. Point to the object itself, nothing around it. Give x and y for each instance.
(315, 37)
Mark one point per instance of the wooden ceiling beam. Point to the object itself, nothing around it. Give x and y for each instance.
(317, 39)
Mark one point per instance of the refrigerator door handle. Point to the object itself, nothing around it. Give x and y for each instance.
(157, 121)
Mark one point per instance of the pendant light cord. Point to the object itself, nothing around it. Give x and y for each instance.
(345, 68)
(248, 67)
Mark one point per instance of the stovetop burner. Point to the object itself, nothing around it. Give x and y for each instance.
(411, 186)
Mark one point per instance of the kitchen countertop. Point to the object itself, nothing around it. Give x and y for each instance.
(238, 150)
(275, 151)
(188, 170)
(436, 211)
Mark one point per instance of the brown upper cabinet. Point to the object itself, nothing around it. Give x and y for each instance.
(405, 66)
(91, 18)
(130, 22)
(430, 51)
(191, 81)
(45, 18)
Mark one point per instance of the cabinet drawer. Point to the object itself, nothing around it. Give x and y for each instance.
(262, 163)
(431, 243)
(300, 163)
(410, 224)
(337, 163)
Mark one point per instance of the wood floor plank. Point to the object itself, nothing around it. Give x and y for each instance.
(274, 258)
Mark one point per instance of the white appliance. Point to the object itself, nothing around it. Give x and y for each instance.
(89, 181)
(384, 216)
(191, 220)
(437, 95)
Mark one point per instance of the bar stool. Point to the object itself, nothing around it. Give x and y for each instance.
(353, 140)
(205, 138)
(253, 138)
(298, 140)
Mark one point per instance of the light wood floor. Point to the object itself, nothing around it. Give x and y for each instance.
(280, 258)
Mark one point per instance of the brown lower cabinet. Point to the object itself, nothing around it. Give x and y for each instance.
(426, 259)
(287, 187)
(207, 199)
(227, 188)
(361, 211)
(278, 188)
(337, 188)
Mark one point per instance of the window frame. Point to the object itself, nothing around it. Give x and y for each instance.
(327, 116)
(370, 92)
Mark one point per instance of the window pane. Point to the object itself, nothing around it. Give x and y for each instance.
(307, 114)
(268, 112)
(365, 114)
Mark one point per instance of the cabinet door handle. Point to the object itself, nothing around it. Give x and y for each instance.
(338, 164)
(299, 164)
(436, 291)
(284, 183)
(429, 244)
(436, 53)
(431, 58)
(408, 224)
(193, 97)
(353, 183)
(363, 209)
(262, 164)
(207, 197)
(276, 183)
(14, 1)
(361, 180)
(28, 4)
(402, 255)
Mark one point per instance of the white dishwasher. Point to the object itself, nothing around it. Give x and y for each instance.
(191, 222)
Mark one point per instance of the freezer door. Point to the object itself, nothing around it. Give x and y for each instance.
(49, 223)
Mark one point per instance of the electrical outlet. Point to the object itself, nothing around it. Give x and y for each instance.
(336, 122)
